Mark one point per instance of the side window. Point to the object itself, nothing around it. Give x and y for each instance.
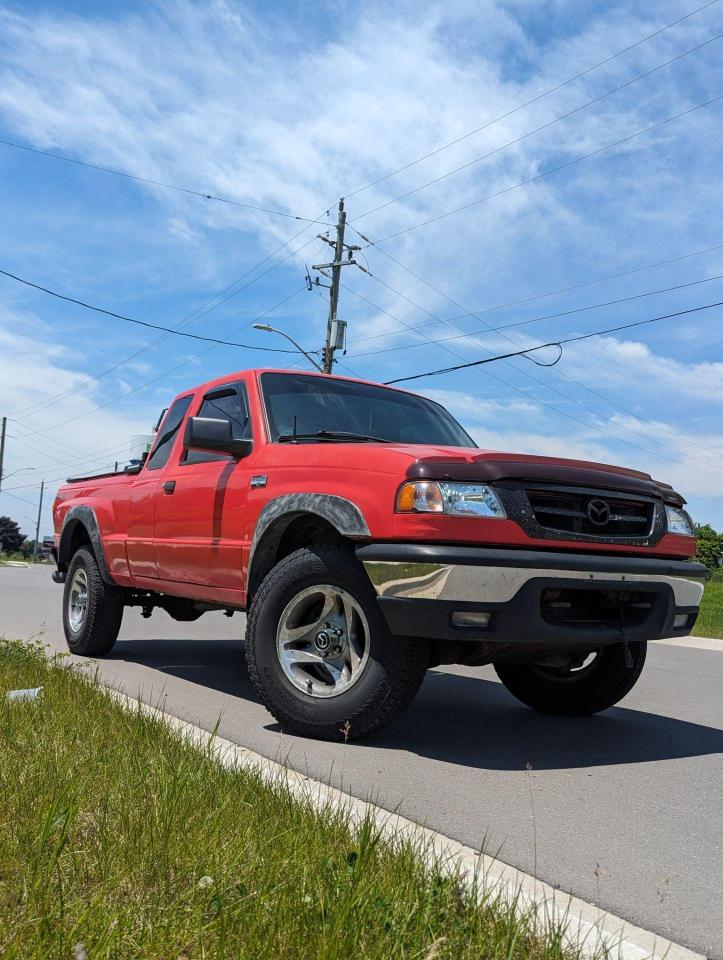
(169, 429)
(226, 403)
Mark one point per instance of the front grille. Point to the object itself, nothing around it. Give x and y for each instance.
(590, 513)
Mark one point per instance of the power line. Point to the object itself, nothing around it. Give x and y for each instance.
(557, 343)
(201, 311)
(658, 427)
(544, 126)
(50, 401)
(527, 374)
(520, 323)
(534, 99)
(540, 296)
(59, 479)
(104, 453)
(97, 461)
(530, 376)
(44, 453)
(542, 402)
(57, 447)
(551, 170)
(142, 323)
(16, 497)
(437, 320)
(160, 376)
(156, 183)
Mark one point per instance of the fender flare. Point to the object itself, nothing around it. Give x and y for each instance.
(344, 515)
(85, 517)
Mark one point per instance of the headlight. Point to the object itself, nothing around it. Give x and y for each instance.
(454, 499)
(679, 522)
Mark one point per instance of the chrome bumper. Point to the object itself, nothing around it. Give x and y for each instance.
(503, 596)
(466, 583)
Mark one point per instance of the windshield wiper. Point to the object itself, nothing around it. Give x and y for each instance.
(331, 436)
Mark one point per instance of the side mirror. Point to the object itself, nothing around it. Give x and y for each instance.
(135, 466)
(204, 433)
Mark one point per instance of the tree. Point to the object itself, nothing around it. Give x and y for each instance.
(11, 538)
(27, 548)
(710, 546)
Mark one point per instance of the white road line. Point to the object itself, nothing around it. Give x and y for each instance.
(586, 926)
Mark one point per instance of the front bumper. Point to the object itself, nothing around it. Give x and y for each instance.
(535, 599)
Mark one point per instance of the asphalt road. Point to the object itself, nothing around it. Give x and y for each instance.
(627, 805)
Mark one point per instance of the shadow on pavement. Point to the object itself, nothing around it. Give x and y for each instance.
(216, 664)
(468, 721)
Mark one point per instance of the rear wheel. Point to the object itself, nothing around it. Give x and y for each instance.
(92, 609)
(576, 686)
(319, 651)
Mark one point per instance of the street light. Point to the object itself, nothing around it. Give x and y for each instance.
(268, 329)
(21, 470)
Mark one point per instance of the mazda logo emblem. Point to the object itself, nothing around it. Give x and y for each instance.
(598, 512)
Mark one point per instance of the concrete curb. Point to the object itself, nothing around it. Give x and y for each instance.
(692, 643)
(585, 926)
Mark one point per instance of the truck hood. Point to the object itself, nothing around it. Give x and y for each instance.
(470, 463)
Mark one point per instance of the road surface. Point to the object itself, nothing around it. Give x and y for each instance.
(627, 805)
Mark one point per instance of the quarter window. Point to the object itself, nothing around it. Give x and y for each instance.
(167, 434)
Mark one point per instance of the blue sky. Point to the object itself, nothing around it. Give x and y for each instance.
(288, 106)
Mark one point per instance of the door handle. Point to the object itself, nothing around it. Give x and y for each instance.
(168, 487)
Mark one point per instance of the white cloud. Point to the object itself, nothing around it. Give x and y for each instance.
(608, 361)
(34, 372)
(264, 109)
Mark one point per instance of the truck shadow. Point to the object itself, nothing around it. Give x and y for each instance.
(475, 722)
(469, 721)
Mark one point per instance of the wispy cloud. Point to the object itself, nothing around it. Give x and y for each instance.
(269, 106)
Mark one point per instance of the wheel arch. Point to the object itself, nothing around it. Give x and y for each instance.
(296, 520)
(81, 528)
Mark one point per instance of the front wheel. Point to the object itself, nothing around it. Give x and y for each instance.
(92, 609)
(576, 686)
(319, 652)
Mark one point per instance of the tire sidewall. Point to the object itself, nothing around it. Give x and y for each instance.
(74, 638)
(103, 612)
(373, 684)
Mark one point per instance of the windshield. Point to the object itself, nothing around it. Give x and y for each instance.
(328, 405)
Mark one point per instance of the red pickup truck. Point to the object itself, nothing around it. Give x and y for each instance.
(369, 539)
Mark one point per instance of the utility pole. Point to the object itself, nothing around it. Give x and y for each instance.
(2, 448)
(332, 323)
(335, 328)
(37, 525)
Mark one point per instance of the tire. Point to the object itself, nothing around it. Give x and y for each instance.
(577, 692)
(379, 674)
(92, 610)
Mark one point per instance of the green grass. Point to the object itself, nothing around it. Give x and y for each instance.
(710, 618)
(117, 836)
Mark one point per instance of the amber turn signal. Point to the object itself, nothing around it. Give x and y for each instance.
(420, 496)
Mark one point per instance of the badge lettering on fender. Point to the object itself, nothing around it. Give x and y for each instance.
(259, 481)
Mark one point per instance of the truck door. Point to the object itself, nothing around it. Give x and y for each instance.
(144, 492)
(201, 507)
